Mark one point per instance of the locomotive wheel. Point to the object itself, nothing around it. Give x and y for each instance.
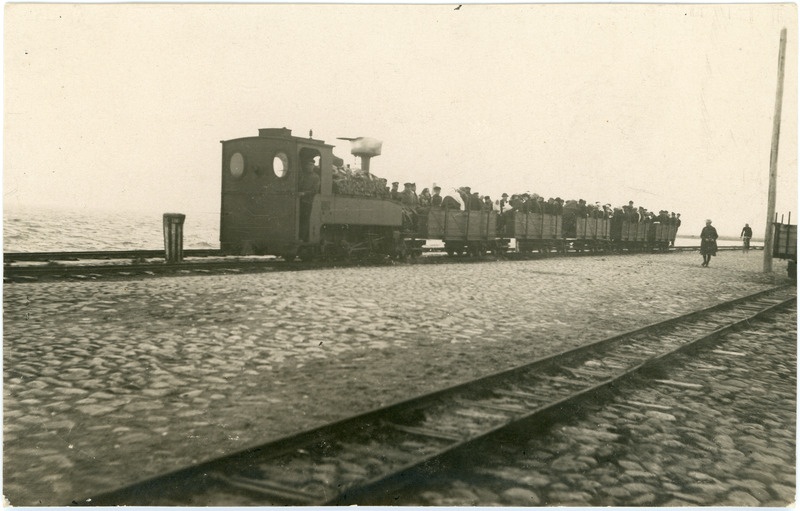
(306, 254)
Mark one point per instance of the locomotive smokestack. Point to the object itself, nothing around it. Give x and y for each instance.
(365, 162)
(365, 148)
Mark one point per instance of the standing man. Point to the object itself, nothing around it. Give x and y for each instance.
(309, 187)
(394, 193)
(436, 198)
(747, 233)
(408, 197)
(708, 243)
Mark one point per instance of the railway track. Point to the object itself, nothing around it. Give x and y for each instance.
(19, 267)
(13, 257)
(368, 459)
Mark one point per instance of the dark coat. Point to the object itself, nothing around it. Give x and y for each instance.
(708, 243)
(309, 182)
(450, 203)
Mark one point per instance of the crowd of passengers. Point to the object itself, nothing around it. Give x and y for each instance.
(349, 181)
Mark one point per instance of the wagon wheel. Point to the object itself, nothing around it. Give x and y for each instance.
(351, 251)
(453, 250)
(400, 251)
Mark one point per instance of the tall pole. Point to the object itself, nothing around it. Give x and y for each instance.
(773, 156)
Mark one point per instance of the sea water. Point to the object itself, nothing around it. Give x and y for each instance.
(36, 229)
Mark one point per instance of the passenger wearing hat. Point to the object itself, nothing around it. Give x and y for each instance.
(408, 197)
(465, 192)
(516, 201)
(394, 193)
(502, 204)
(436, 198)
(629, 211)
(475, 202)
(425, 198)
(487, 204)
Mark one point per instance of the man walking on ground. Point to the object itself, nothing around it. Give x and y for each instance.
(708, 243)
(747, 233)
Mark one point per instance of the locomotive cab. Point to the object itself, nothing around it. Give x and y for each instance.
(278, 198)
(266, 200)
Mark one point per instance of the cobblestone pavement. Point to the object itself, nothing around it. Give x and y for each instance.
(107, 383)
(716, 429)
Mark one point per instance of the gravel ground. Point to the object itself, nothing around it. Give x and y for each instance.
(106, 383)
(716, 428)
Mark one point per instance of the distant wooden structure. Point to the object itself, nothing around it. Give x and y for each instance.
(784, 243)
(773, 156)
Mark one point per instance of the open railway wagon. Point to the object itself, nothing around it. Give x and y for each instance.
(463, 232)
(784, 245)
(592, 234)
(630, 235)
(534, 231)
(639, 236)
(662, 235)
(266, 207)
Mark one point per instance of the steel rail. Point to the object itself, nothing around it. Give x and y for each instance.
(10, 257)
(135, 264)
(366, 458)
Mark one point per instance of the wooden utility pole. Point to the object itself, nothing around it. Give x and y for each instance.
(773, 156)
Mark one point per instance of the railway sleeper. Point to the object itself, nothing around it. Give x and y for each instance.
(425, 432)
(507, 408)
(268, 489)
(581, 372)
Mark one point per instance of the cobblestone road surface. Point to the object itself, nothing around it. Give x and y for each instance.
(106, 383)
(716, 429)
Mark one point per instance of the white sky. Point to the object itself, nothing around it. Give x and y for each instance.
(671, 106)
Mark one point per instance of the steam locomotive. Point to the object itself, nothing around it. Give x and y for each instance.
(292, 197)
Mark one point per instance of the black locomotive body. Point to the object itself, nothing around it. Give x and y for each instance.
(266, 210)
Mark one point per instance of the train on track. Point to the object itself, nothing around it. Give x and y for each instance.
(291, 197)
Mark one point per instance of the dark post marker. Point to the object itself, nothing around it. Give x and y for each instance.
(173, 237)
